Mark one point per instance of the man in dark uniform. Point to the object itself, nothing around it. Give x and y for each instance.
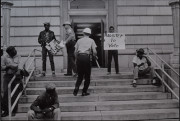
(112, 53)
(46, 106)
(11, 64)
(46, 36)
(83, 49)
(70, 42)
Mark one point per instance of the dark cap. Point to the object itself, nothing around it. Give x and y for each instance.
(10, 49)
(47, 23)
(50, 86)
(111, 27)
(140, 51)
(67, 23)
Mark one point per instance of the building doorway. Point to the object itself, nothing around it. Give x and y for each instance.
(96, 35)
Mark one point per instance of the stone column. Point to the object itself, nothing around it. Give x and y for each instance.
(64, 17)
(175, 18)
(6, 11)
(175, 56)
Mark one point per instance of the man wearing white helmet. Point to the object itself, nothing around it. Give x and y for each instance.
(70, 42)
(83, 49)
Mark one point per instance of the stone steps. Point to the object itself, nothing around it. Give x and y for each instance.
(110, 105)
(124, 115)
(99, 89)
(93, 76)
(99, 82)
(112, 98)
(104, 97)
(161, 120)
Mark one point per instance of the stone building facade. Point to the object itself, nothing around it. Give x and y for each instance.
(146, 23)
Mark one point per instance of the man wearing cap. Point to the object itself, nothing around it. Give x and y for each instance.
(112, 53)
(11, 63)
(70, 42)
(142, 66)
(46, 105)
(83, 49)
(46, 36)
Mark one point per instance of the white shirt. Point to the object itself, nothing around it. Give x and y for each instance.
(7, 60)
(84, 45)
(138, 61)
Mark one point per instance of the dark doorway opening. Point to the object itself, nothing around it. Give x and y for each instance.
(96, 29)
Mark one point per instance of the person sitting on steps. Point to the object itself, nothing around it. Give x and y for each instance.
(46, 106)
(142, 66)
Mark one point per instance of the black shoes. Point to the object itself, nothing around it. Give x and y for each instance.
(43, 75)
(4, 114)
(85, 94)
(156, 82)
(75, 91)
(67, 74)
(134, 83)
(53, 74)
(75, 75)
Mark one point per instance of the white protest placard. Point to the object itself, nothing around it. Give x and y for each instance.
(114, 41)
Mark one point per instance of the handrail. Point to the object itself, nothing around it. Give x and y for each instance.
(164, 61)
(10, 94)
(162, 69)
(167, 85)
(165, 73)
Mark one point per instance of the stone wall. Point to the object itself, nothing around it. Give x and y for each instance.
(27, 18)
(146, 23)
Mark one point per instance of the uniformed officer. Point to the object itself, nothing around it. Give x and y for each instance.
(83, 49)
(70, 42)
(46, 36)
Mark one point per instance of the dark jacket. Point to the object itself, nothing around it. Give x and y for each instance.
(42, 37)
(45, 101)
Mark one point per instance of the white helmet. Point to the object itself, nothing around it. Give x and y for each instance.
(87, 30)
(67, 23)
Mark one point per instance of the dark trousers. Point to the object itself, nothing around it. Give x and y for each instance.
(113, 53)
(84, 71)
(51, 59)
(71, 58)
(7, 79)
(140, 73)
(71, 64)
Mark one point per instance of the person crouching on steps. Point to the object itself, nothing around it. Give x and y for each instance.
(142, 66)
(46, 106)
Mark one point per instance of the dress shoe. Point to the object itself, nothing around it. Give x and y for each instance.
(75, 91)
(134, 83)
(85, 94)
(67, 74)
(154, 82)
(13, 114)
(75, 75)
(43, 74)
(4, 114)
(108, 73)
(53, 74)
